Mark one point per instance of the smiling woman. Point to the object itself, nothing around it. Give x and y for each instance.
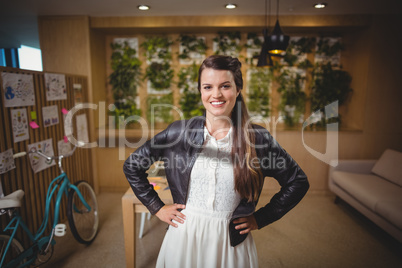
(215, 193)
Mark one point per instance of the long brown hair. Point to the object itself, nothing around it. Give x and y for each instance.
(247, 173)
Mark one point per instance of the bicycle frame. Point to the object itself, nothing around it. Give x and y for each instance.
(63, 185)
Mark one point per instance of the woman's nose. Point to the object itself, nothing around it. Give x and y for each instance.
(216, 93)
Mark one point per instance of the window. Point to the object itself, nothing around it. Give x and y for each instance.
(30, 58)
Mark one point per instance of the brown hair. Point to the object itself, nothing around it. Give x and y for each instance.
(248, 181)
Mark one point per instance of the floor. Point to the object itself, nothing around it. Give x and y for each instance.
(316, 233)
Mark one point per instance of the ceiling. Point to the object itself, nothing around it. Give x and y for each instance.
(18, 18)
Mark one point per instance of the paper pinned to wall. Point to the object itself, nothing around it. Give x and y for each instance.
(82, 128)
(63, 147)
(38, 163)
(19, 123)
(18, 89)
(6, 161)
(55, 87)
(50, 115)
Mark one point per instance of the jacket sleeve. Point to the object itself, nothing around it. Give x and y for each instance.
(277, 163)
(138, 163)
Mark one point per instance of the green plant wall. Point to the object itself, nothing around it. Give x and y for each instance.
(317, 58)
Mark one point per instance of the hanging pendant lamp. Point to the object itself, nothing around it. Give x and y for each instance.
(278, 40)
(264, 58)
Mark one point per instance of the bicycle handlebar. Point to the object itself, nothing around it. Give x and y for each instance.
(50, 158)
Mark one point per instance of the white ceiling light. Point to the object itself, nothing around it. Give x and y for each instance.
(231, 6)
(320, 5)
(143, 7)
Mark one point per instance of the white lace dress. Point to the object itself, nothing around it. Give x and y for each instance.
(203, 239)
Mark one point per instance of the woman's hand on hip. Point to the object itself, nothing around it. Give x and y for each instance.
(246, 224)
(168, 213)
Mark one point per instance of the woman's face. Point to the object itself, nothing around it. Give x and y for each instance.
(218, 92)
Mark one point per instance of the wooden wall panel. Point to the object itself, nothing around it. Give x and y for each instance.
(77, 167)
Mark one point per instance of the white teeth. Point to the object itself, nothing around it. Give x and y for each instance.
(217, 102)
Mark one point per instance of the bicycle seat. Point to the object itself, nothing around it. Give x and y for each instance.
(12, 200)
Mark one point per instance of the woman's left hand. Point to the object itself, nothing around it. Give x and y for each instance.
(247, 223)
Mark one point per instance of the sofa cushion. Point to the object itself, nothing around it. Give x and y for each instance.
(392, 211)
(389, 166)
(368, 189)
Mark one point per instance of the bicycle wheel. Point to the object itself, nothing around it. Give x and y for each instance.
(83, 223)
(14, 250)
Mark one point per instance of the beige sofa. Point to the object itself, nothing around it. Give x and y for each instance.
(373, 187)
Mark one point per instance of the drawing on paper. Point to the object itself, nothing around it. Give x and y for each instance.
(38, 163)
(19, 123)
(18, 89)
(6, 161)
(55, 87)
(50, 115)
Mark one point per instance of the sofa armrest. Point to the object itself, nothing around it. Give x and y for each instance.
(363, 166)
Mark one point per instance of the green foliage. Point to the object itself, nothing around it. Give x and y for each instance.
(293, 98)
(126, 71)
(157, 47)
(324, 47)
(258, 91)
(253, 42)
(329, 85)
(303, 45)
(191, 43)
(190, 100)
(125, 109)
(228, 43)
(124, 79)
(160, 75)
(305, 64)
(297, 48)
(160, 112)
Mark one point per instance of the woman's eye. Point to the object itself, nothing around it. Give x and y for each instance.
(226, 86)
(207, 87)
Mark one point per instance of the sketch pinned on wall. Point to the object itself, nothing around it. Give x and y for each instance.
(55, 87)
(18, 90)
(19, 123)
(6, 161)
(39, 163)
(82, 128)
(64, 148)
(50, 115)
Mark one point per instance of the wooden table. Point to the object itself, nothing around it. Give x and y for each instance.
(131, 205)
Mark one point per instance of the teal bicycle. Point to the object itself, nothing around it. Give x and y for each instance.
(82, 214)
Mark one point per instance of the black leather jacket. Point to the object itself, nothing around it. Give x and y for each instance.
(178, 146)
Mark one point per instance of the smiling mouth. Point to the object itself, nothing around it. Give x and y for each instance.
(217, 103)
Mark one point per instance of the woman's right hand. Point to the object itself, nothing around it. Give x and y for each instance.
(168, 213)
